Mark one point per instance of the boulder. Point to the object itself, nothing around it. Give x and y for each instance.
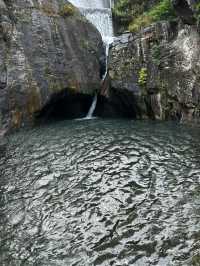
(46, 47)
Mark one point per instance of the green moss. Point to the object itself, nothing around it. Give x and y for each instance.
(67, 10)
(142, 79)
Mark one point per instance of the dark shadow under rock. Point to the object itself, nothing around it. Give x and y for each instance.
(65, 105)
(117, 105)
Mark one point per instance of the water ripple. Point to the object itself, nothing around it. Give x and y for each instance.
(101, 193)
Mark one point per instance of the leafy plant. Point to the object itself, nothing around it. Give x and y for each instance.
(161, 11)
(142, 80)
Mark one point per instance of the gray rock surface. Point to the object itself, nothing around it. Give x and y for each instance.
(160, 68)
(3, 143)
(46, 47)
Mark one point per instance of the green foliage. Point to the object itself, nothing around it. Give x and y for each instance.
(161, 11)
(196, 260)
(156, 54)
(197, 9)
(142, 80)
(125, 10)
(67, 10)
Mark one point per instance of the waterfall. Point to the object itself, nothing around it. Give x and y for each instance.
(92, 3)
(156, 106)
(92, 108)
(102, 19)
(108, 43)
(99, 13)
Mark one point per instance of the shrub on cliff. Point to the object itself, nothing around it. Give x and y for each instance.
(125, 10)
(161, 11)
(142, 78)
(140, 13)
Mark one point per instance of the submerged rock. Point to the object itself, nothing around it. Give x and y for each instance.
(160, 68)
(46, 47)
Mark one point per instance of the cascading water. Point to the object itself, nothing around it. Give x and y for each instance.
(92, 108)
(92, 3)
(99, 13)
(102, 19)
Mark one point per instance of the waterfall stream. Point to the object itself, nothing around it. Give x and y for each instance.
(99, 13)
(92, 108)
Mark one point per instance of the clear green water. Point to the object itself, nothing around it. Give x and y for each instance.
(101, 193)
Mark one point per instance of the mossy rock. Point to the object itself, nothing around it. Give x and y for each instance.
(67, 10)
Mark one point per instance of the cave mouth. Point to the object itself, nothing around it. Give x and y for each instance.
(65, 105)
(68, 105)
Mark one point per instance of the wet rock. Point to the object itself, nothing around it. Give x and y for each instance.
(160, 67)
(3, 144)
(44, 50)
(185, 9)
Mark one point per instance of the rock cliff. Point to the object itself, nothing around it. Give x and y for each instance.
(159, 68)
(46, 47)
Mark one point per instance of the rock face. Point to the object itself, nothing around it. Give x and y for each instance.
(185, 9)
(2, 146)
(46, 47)
(160, 69)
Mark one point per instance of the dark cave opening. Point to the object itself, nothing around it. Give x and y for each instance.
(69, 105)
(65, 105)
(118, 105)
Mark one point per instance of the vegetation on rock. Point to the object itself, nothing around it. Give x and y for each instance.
(67, 10)
(139, 13)
(197, 9)
(125, 10)
(161, 11)
(156, 54)
(142, 80)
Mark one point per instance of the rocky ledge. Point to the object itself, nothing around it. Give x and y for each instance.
(46, 47)
(159, 68)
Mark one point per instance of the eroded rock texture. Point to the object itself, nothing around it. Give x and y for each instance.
(160, 69)
(45, 48)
